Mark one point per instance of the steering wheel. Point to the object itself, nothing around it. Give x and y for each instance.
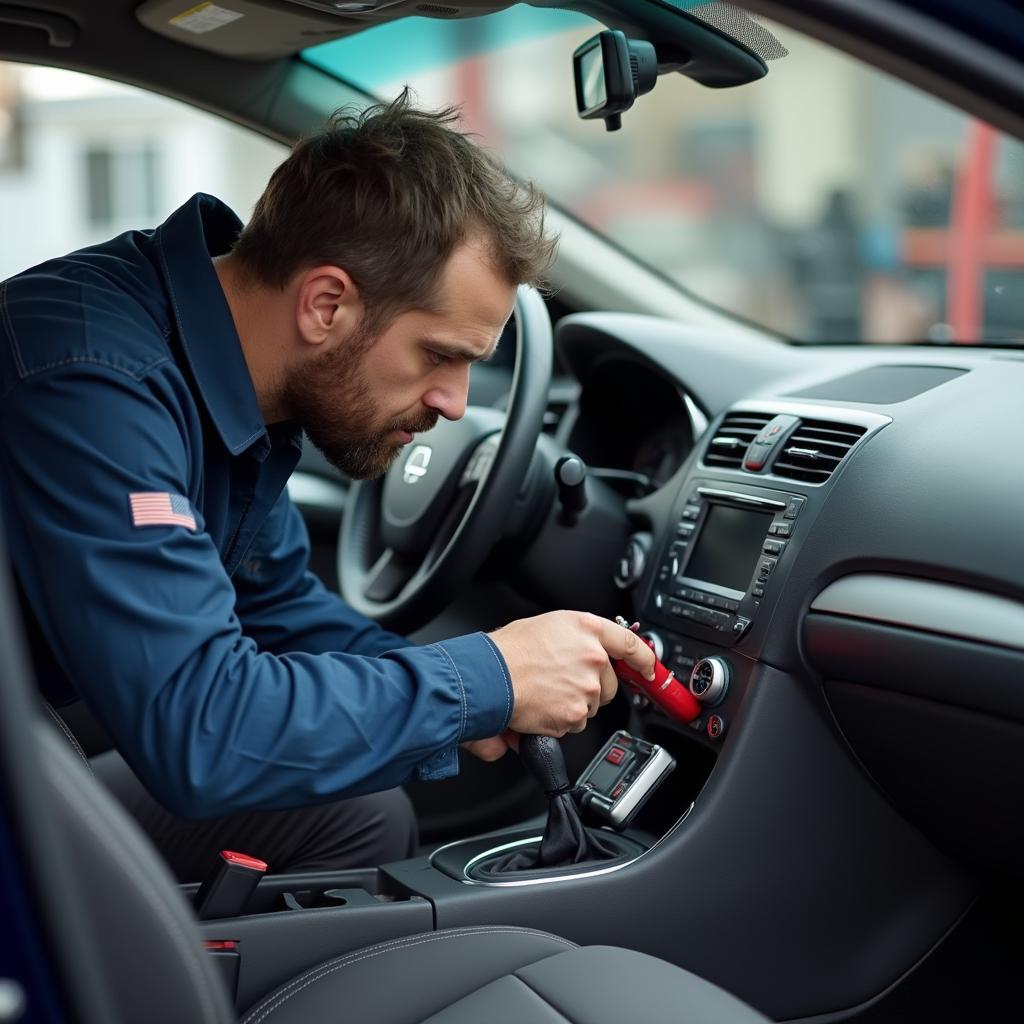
(409, 540)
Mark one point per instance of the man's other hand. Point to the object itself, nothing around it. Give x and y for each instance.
(560, 668)
(491, 749)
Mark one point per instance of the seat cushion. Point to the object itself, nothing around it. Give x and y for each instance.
(501, 976)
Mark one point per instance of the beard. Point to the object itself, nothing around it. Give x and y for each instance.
(330, 399)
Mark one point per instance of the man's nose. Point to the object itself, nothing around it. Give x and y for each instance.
(449, 399)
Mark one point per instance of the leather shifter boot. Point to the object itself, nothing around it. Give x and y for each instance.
(565, 839)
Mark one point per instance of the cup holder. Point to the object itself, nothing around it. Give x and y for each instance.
(313, 899)
(320, 899)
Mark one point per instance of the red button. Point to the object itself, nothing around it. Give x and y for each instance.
(615, 755)
(618, 790)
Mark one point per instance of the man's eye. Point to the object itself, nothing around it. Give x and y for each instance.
(438, 358)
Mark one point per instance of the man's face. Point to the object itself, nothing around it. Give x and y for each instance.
(362, 400)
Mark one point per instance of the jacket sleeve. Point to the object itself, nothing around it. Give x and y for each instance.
(285, 608)
(142, 619)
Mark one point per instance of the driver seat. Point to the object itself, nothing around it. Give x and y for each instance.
(145, 959)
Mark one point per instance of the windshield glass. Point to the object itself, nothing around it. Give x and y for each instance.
(827, 202)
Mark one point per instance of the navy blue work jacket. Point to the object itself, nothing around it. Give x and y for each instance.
(162, 565)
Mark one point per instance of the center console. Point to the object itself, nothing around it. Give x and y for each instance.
(722, 548)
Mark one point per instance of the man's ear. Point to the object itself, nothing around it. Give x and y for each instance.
(327, 305)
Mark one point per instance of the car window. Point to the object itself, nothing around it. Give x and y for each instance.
(83, 159)
(828, 202)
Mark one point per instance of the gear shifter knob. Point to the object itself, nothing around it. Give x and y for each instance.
(565, 840)
(543, 756)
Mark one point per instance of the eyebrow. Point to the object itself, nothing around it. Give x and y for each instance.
(456, 351)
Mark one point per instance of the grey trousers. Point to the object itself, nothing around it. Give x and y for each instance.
(361, 832)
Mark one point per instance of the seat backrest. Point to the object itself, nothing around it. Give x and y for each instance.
(121, 939)
(149, 950)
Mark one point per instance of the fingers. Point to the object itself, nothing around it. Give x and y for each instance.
(609, 686)
(559, 666)
(491, 749)
(625, 644)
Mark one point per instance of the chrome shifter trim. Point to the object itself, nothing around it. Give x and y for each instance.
(466, 880)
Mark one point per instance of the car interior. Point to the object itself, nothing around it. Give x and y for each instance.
(814, 812)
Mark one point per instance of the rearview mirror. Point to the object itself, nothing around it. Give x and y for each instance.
(611, 71)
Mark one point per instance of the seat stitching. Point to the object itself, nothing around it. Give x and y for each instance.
(325, 970)
(540, 995)
(370, 952)
(148, 891)
(71, 737)
(374, 951)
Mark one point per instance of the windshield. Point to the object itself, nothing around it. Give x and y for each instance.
(827, 202)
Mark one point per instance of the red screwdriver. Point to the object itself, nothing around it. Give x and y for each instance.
(672, 695)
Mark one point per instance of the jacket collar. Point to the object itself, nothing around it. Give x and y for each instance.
(200, 229)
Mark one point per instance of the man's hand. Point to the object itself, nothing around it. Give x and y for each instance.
(494, 747)
(561, 674)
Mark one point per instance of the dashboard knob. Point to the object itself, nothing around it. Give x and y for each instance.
(633, 561)
(709, 680)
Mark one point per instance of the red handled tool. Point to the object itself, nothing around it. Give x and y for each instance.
(672, 695)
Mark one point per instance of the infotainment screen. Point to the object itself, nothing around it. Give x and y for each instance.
(728, 547)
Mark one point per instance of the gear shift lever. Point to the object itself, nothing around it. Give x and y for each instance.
(542, 756)
(565, 840)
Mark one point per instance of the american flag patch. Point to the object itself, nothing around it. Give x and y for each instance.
(159, 508)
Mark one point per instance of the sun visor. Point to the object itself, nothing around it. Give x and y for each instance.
(265, 29)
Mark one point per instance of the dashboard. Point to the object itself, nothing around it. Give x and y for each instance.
(845, 602)
(851, 517)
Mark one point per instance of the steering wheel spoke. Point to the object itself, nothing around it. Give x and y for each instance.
(480, 461)
(449, 524)
(388, 575)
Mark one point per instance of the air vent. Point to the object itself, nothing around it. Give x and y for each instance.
(812, 452)
(733, 438)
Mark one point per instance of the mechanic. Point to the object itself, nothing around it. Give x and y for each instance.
(155, 390)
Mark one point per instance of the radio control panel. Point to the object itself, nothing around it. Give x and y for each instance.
(718, 563)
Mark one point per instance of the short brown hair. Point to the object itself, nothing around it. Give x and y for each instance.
(388, 193)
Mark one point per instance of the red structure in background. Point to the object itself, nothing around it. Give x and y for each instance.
(973, 242)
(973, 217)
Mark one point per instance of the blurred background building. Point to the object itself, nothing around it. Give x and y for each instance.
(82, 159)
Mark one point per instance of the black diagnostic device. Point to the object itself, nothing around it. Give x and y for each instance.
(617, 783)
